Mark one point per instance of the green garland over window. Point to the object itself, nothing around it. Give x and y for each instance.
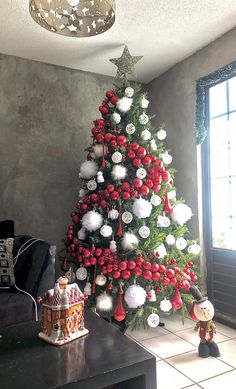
(201, 86)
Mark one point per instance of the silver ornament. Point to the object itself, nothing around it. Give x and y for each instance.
(70, 275)
(100, 280)
(116, 157)
(92, 185)
(113, 214)
(144, 232)
(141, 173)
(130, 128)
(181, 243)
(153, 320)
(81, 273)
(143, 119)
(127, 217)
(155, 200)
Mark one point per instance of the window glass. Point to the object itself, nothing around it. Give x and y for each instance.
(232, 94)
(218, 101)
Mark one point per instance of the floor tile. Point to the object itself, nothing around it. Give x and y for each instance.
(170, 378)
(192, 336)
(226, 381)
(142, 334)
(230, 332)
(167, 345)
(196, 368)
(192, 387)
(228, 352)
(174, 323)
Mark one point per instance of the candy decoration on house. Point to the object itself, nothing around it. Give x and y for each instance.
(62, 313)
(203, 312)
(127, 224)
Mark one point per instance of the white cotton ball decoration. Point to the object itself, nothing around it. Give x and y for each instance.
(113, 214)
(161, 134)
(153, 145)
(161, 251)
(124, 104)
(143, 119)
(181, 213)
(100, 177)
(92, 221)
(194, 249)
(81, 233)
(165, 305)
(106, 231)
(181, 243)
(129, 241)
(135, 296)
(170, 240)
(88, 169)
(144, 103)
(100, 280)
(119, 172)
(145, 135)
(116, 117)
(104, 302)
(141, 208)
(129, 92)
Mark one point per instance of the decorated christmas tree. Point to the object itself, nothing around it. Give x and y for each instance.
(128, 240)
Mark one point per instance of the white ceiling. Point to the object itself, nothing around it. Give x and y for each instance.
(163, 31)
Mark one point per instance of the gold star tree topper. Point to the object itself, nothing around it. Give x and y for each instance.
(125, 63)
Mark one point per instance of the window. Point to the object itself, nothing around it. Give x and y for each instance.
(222, 163)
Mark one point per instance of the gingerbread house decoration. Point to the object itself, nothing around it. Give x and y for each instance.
(62, 313)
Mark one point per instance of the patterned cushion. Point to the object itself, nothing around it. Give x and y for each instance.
(7, 278)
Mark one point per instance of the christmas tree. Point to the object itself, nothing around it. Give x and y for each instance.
(128, 239)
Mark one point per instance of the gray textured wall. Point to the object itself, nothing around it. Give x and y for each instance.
(172, 98)
(46, 114)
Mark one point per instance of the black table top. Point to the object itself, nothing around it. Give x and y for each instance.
(28, 362)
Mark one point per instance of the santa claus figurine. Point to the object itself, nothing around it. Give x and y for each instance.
(202, 311)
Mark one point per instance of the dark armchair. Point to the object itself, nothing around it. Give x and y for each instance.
(34, 273)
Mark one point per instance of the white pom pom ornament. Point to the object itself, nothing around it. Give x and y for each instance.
(181, 213)
(135, 296)
(124, 104)
(106, 231)
(142, 208)
(92, 221)
(165, 305)
(119, 172)
(129, 241)
(116, 117)
(88, 169)
(104, 303)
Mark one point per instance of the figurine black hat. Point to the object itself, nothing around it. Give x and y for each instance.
(195, 292)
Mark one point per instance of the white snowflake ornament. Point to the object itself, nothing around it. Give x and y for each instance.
(141, 173)
(166, 158)
(130, 128)
(92, 185)
(81, 273)
(145, 135)
(127, 217)
(153, 320)
(106, 231)
(116, 157)
(143, 119)
(161, 134)
(194, 249)
(100, 280)
(113, 214)
(170, 240)
(181, 243)
(155, 200)
(165, 305)
(144, 232)
(129, 92)
(163, 221)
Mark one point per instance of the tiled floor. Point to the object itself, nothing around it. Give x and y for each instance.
(178, 364)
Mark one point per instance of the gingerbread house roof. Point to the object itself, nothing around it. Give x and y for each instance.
(64, 296)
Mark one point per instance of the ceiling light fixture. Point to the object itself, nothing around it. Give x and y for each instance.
(75, 18)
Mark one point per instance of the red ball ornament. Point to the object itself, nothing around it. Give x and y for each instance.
(98, 252)
(137, 182)
(113, 144)
(125, 274)
(173, 281)
(147, 265)
(125, 196)
(162, 269)
(173, 261)
(125, 186)
(75, 219)
(153, 157)
(159, 164)
(134, 146)
(94, 197)
(115, 195)
(137, 162)
(139, 260)
(131, 265)
(99, 138)
(147, 274)
(194, 278)
(103, 203)
(146, 161)
(186, 285)
(101, 261)
(110, 188)
(141, 152)
(93, 261)
(170, 273)
(121, 140)
(149, 183)
(84, 207)
(190, 264)
(165, 175)
(165, 281)
(116, 274)
(108, 137)
(104, 109)
(87, 263)
(110, 286)
(114, 99)
(155, 267)
(137, 271)
(122, 265)
(86, 253)
(156, 187)
(158, 288)
(156, 276)
(148, 296)
(131, 154)
(144, 190)
(109, 94)
(106, 252)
